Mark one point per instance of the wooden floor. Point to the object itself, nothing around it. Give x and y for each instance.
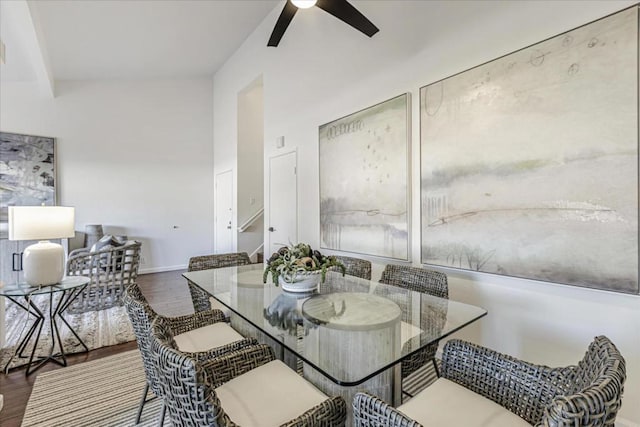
(167, 293)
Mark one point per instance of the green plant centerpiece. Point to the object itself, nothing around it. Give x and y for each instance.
(292, 262)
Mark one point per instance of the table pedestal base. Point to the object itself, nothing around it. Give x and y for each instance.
(386, 386)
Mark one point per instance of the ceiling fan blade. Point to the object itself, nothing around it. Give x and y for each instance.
(344, 11)
(283, 22)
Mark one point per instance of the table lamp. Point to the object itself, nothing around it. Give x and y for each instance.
(43, 262)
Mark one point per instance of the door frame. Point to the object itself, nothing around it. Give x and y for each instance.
(268, 218)
(215, 210)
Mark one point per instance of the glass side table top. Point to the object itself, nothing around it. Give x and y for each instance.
(23, 289)
(348, 322)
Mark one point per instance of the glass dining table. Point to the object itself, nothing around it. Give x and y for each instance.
(350, 334)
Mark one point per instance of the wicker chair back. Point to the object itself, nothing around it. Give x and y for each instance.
(206, 262)
(594, 392)
(426, 281)
(141, 316)
(188, 394)
(416, 279)
(355, 267)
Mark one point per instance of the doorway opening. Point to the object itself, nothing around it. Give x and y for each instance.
(250, 181)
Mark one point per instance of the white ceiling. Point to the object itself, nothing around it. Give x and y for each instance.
(132, 39)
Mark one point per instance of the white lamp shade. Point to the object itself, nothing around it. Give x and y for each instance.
(41, 222)
(303, 4)
(43, 262)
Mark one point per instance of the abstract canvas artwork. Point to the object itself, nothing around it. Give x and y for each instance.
(364, 176)
(529, 163)
(27, 171)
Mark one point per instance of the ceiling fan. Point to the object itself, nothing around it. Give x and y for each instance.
(341, 9)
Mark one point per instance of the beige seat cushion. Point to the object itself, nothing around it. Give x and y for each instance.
(445, 403)
(408, 331)
(207, 337)
(269, 395)
(217, 305)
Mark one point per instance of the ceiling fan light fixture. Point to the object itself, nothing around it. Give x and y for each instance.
(304, 4)
(341, 9)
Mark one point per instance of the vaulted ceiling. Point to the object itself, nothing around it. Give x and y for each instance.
(125, 38)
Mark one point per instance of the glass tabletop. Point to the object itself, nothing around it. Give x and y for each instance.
(350, 329)
(23, 289)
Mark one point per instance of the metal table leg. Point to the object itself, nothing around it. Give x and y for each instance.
(55, 338)
(31, 309)
(39, 318)
(72, 296)
(56, 311)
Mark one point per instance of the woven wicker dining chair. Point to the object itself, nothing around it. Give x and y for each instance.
(480, 386)
(244, 388)
(203, 335)
(201, 300)
(355, 266)
(420, 280)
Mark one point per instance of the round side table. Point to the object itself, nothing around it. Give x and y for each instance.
(20, 294)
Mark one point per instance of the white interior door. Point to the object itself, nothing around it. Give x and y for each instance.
(283, 201)
(224, 212)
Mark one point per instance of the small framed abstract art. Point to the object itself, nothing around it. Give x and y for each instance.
(364, 181)
(27, 171)
(529, 163)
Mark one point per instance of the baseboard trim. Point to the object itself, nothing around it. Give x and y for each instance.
(162, 269)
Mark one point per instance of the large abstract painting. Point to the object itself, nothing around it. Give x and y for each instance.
(530, 162)
(364, 176)
(27, 171)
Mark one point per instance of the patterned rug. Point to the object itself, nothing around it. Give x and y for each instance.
(106, 392)
(97, 329)
(103, 392)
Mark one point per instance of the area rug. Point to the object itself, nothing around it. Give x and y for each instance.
(106, 392)
(103, 392)
(97, 329)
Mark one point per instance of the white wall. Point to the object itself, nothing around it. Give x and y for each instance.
(323, 70)
(135, 156)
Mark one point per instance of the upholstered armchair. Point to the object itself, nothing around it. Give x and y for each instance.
(110, 271)
(202, 336)
(201, 300)
(481, 387)
(247, 387)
